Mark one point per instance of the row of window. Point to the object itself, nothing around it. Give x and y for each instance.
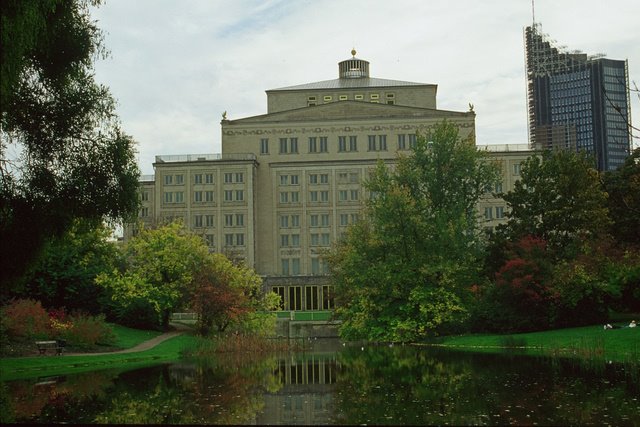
(318, 220)
(316, 239)
(204, 178)
(172, 197)
(373, 97)
(291, 267)
(488, 212)
(315, 297)
(321, 178)
(319, 196)
(230, 239)
(345, 144)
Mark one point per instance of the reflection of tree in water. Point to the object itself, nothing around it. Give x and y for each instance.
(416, 386)
(227, 390)
(54, 398)
(384, 385)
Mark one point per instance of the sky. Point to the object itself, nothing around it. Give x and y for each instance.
(176, 65)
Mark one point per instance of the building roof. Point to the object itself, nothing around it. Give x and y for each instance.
(354, 83)
(347, 111)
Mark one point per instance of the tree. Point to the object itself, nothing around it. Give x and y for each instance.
(403, 271)
(558, 199)
(224, 293)
(520, 298)
(159, 271)
(65, 274)
(623, 187)
(62, 153)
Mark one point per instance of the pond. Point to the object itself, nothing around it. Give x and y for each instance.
(335, 384)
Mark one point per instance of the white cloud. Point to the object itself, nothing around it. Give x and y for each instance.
(177, 65)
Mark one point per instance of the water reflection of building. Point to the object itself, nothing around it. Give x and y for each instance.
(306, 395)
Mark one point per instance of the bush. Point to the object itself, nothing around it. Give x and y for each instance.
(139, 314)
(88, 331)
(25, 318)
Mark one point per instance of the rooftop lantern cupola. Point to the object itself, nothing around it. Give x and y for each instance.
(353, 68)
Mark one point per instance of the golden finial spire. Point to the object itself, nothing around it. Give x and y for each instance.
(353, 52)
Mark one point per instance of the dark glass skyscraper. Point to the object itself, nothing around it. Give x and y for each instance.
(577, 101)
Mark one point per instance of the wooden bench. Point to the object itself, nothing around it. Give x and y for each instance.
(57, 345)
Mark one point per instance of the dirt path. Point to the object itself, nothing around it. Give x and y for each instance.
(146, 345)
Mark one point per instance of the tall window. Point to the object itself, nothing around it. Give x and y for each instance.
(264, 146)
(327, 297)
(402, 142)
(197, 196)
(377, 142)
(412, 140)
(342, 143)
(372, 143)
(311, 297)
(208, 178)
(324, 146)
(353, 143)
(488, 213)
(197, 178)
(295, 266)
(288, 145)
(313, 144)
(208, 196)
(209, 220)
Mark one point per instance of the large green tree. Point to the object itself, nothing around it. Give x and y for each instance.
(170, 269)
(160, 266)
(559, 198)
(62, 153)
(64, 276)
(623, 187)
(402, 272)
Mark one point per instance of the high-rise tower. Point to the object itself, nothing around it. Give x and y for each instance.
(577, 101)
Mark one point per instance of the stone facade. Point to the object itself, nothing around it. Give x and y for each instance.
(288, 183)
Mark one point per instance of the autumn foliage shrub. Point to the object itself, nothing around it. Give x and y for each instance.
(520, 299)
(88, 331)
(25, 318)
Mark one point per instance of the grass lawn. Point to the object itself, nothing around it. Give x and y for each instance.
(621, 345)
(28, 367)
(127, 337)
(33, 366)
